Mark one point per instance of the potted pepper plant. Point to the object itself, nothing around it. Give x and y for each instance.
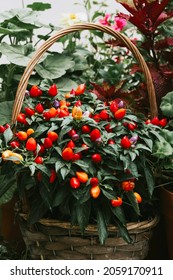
(78, 159)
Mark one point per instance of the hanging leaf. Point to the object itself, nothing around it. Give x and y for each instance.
(102, 228)
(83, 214)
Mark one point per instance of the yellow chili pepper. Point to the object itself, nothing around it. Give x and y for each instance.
(9, 155)
(77, 113)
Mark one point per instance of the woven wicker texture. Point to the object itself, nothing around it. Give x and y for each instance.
(57, 240)
(50, 239)
(78, 27)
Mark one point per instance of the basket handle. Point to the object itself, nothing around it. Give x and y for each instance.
(20, 94)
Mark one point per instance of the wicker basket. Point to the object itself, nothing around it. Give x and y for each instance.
(57, 240)
(52, 239)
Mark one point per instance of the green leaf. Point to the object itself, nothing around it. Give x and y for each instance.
(8, 135)
(168, 135)
(149, 142)
(32, 169)
(149, 176)
(132, 167)
(46, 195)
(40, 130)
(64, 171)
(118, 212)
(59, 164)
(22, 17)
(124, 232)
(162, 149)
(37, 210)
(54, 66)
(83, 214)
(19, 55)
(102, 228)
(6, 111)
(109, 194)
(7, 196)
(60, 196)
(7, 187)
(166, 105)
(66, 84)
(83, 164)
(13, 30)
(133, 202)
(37, 6)
(43, 168)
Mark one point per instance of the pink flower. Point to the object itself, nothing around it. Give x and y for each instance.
(119, 23)
(105, 20)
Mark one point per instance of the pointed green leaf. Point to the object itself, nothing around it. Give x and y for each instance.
(83, 214)
(8, 135)
(102, 228)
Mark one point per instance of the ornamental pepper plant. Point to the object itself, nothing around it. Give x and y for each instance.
(80, 159)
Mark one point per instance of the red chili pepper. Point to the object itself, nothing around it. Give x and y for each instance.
(53, 91)
(39, 160)
(155, 121)
(94, 181)
(15, 144)
(39, 108)
(47, 116)
(31, 144)
(116, 202)
(2, 129)
(70, 144)
(29, 112)
(95, 191)
(104, 115)
(120, 113)
(35, 91)
(80, 89)
(53, 176)
(107, 128)
(48, 143)
(127, 186)
(67, 154)
(63, 113)
(72, 132)
(82, 176)
(111, 142)
(74, 183)
(86, 129)
(21, 118)
(96, 158)
(95, 134)
(113, 107)
(163, 122)
(77, 156)
(52, 135)
(125, 142)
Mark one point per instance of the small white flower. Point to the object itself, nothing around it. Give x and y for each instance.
(72, 18)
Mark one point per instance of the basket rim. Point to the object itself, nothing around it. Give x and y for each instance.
(141, 225)
(20, 94)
